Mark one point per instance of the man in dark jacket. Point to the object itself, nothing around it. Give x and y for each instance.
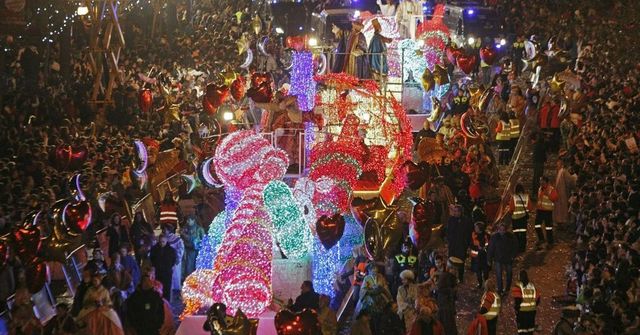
(308, 298)
(145, 308)
(459, 229)
(502, 251)
(81, 290)
(163, 257)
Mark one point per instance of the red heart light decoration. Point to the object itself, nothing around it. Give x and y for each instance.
(330, 230)
(77, 217)
(488, 55)
(145, 100)
(466, 63)
(37, 276)
(238, 88)
(214, 97)
(453, 53)
(296, 43)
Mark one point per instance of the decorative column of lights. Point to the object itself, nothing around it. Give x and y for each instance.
(326, 263)
(302, 84)
(245, 162)
(290, 229)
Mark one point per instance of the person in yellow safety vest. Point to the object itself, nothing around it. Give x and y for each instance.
(169, 212)
(503, 137)
(479, 245)
(526, 299)
(520, 207)
(490, 306)
(547, 196)
(514, 127)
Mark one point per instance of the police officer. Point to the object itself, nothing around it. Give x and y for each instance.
(517, 52)
(547, 196)
(490, 305)
(503, 137)
(526, 299)
(514, 126)
(520, 207)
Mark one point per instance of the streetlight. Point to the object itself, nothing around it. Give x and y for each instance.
(313, 42)
(82, 10)
(471, 40)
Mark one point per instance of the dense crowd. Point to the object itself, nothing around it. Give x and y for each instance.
(45, 110)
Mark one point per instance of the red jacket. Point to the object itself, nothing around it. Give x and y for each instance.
(548, 116)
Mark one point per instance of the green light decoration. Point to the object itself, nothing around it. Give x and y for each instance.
(291, 231)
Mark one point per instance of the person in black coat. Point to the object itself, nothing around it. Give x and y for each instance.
(308, 298)
(459, 229)
(389, 322)
(81, 290)
(502, 252)
(163, 257)
(145, 308)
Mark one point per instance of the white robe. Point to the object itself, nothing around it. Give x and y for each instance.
(406, 14)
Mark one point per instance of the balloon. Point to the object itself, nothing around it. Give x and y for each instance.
(453, 53)
(4, 252)
(261, 90)
(77, 217)
(389, 230)
(556, 85)
(436, 110)
(238, 88)
(145, 100)
(427, 80)
(241, 325)
(214, 96)
(208, 175)
(256, 24)
(423, 214)
(440, 75)
(37, 274)
(216, 316)
(466, 63)
(68, 157)
(416, 174)
(296, 43)
(371, 239)
(488, 55)
(359, 207)
(303, 323)
(229, 77)
(75, 189)
(466, 124)
(27, 241)
(330, 230)
(141, 159)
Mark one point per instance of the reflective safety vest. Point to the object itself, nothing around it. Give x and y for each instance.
(528, 303)
(518, 45)
(515, 128)
(494, 310)
(544, 202)
(521, 202)
(476, 245)
(169, 214)
(460, 100)
(408, 260)
(505, 133)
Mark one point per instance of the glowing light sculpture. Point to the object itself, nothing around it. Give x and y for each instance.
(302, 84)
(291, 231)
